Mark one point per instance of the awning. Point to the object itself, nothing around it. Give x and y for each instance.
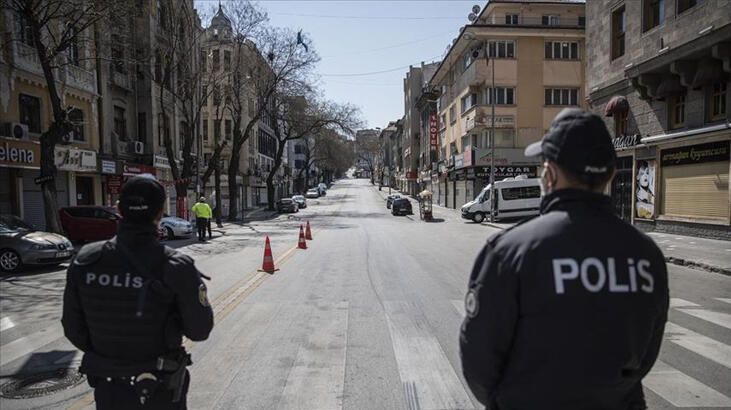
(617, 105)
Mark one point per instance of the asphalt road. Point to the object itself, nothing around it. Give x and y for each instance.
(366, 318)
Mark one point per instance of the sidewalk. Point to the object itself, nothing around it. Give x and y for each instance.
(699, 253)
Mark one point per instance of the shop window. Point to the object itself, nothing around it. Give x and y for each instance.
(501, 49)
(562, 50)
(684, 5)
(30, 112)
(653, 13)
(120, 123)
(562, 96)
(511, 19)
(618, 29)
(717, 102)
(76, 117)
(676, 109)
(502, 95)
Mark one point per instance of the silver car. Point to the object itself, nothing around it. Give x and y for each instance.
(22, 245)
(176, 227)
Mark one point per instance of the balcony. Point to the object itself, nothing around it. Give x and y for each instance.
(79, 78)
(25, 58)
(542, 22)
(481, 118)
(120, 79)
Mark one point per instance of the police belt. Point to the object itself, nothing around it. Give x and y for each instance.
(95, 365)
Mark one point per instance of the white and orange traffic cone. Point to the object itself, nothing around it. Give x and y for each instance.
(268, 264)
(308, 232)
(302, 242)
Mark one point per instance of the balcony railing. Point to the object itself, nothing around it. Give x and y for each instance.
(80, 78)
(26, 58)
(543, 21)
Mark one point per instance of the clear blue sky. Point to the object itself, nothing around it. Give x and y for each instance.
(362, 36)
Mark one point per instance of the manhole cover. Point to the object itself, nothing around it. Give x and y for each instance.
(41, 384)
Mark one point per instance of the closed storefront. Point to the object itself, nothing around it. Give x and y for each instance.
(78, 170)
(695, 182)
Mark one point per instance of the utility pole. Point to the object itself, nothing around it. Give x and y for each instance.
(492, 138)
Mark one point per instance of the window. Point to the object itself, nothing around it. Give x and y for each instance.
(717, 102)
(229, 130)
(216, 60)
(653, 13)
(164, 134)
(161, 15)
(120, 123)
(503, 96)
(511, 19)
(30, 112)
(217, 130)
(620, 123)
(562, 96)
(118, 55)
(684, 5)
(467, 60)
(141, 126)
(299, 163)
(618, 28)
(501, 49)
(562, 50)
(226, 61)
(204, 61)
(73, 51)
(442, 121)
(216, 95)
(158, 66)
(676, 108)
(526, 192)
(550, 20)
(76, 117)
(469, 101)
(299, 149)
(25, 31)
(582, 21)
(452, 116)
(204, 129)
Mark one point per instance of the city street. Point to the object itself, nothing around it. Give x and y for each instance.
(367, 317)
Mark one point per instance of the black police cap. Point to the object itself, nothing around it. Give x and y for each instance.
(142, 198)
(578, 141)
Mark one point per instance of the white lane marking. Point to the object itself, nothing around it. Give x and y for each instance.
(699, 344)
(718, 318)
(681, 303)
(428, 378)
(29, 344)
(459, 305)
(724, 300)
(6, 323)
(317, 378)
(682, 390)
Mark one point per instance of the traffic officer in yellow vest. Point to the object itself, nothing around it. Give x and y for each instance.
(203, 214)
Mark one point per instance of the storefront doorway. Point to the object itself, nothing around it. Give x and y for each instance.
(622, 188)
(84, 191)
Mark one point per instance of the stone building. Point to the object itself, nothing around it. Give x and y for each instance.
(658, 71)
(414, 159)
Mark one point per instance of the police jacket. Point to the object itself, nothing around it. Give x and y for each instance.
(565, 311)
(131, 299)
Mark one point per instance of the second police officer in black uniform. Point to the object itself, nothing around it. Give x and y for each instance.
(567, 310)
(129, 301)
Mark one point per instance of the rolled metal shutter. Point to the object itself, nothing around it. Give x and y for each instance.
(33, 201)
(6, 194)
(696, 190)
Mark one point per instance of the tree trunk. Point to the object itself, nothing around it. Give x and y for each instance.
(48, 188)
(233, 170)
(217, 179)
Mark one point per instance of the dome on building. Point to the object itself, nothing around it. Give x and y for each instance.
(220, 20)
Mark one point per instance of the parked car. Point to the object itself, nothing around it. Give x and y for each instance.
(174, 227)
(287, 205)
(514, 197)
(401, 206)
(89, 223)
(322, 188)
(301, 201)
(389, 200)
(313, 193)
(22, 245)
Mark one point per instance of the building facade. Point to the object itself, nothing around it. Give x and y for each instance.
(535, 52)
(658, 71)
(414, 83)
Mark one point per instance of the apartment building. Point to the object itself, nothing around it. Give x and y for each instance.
(535, 51)
(414, 83)
(658, 71)
(26, 112)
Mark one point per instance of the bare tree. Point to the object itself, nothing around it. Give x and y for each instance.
(369, 149)
(55, 29)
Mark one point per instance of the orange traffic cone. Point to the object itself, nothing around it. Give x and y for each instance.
(308, 232)
(302, 243)
(268, 264)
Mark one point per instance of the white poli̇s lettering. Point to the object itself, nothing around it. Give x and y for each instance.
(642, 267)
(90, 277)
(601, 278)
(614, 285)
(137, 282)
(560, 274)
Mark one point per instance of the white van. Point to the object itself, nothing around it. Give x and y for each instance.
(516, 197)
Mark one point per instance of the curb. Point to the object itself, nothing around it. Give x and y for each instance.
(697, 265)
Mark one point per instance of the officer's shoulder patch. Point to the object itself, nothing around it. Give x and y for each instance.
(90, 253)
(203, 295)
(471, 305)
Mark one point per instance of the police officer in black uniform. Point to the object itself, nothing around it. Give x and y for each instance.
(129, 301)
(567, 310)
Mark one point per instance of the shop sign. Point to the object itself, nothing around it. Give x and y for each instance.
(459, 161)
(136, 169)
(411, 175)
(645, 194)
(503, 156)
(695, 154)
(467, 157)
(626, 141)
(501, 121)
(502, 172)
(108, 167)
(114, 184)
(20, 153)
(75, 159)
(161, 162)
(433, 131)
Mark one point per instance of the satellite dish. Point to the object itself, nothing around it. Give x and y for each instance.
(476, 9)
(472, 17)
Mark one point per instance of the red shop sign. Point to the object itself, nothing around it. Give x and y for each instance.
(114, 184)
(136, 169)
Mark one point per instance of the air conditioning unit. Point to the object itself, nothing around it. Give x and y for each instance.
(15, 130)
(137, 147)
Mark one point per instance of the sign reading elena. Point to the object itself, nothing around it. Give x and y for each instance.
(695, 154)
(22, 154)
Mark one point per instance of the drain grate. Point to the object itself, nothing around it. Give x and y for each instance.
(40, 384)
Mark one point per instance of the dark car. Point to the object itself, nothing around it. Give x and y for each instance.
(390, 199)
(21, 245)
(287, 205)
(89, 223)
(401, 206)
(301, 201)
